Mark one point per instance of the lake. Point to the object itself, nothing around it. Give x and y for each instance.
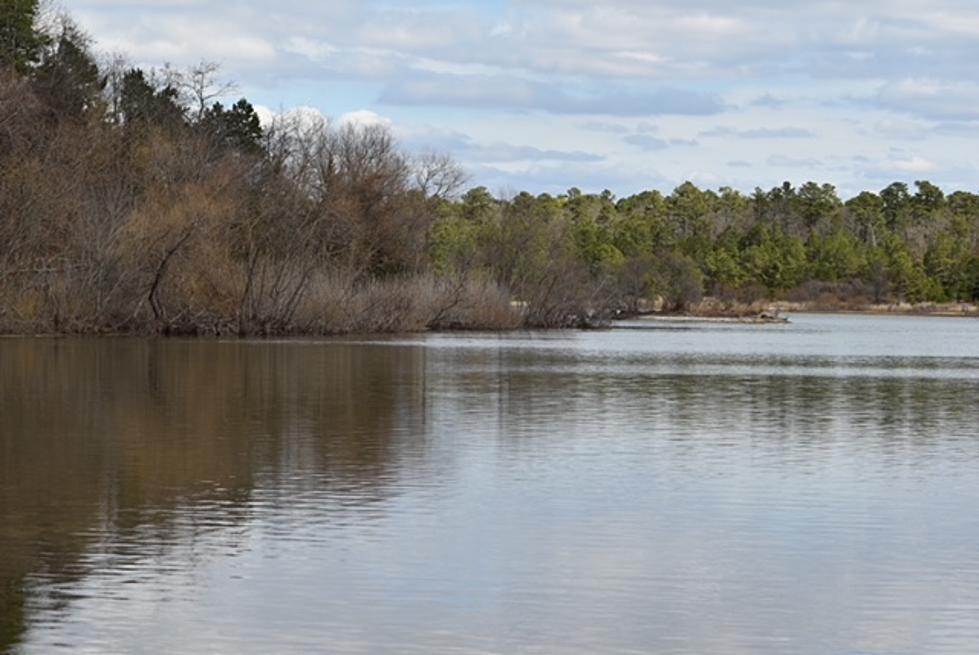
(656, 488)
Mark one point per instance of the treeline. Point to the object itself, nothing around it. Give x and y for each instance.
(803, 244)
(135, 201)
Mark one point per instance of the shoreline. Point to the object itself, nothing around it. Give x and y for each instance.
(777, 313)
(712, 308)
(967, 310)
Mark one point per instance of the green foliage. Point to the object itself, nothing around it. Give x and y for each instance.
(237, 127)
(594, 240)
(835, 257)
(141, 104)
(866, 212)
(690, 211)
(907, 276)
(20, 42)
(816, 203)
(886, 247)
(927, 199)
(972, 287)
(68, 78)
(455, 243)
(948, 262)
(678, 280)
(897, 204)
(777, 261)
(723, 266)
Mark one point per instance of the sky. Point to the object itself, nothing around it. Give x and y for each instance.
(624, 95)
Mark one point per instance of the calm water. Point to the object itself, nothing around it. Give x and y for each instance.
(660, 488)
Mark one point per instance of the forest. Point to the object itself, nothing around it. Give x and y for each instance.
(136, 201)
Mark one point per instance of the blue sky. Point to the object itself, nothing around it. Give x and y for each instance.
(543, 95)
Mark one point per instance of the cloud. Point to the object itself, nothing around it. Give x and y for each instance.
(511, 93)
(759, 133)
(768, 100)
(428, 139)
(900, 128)
(958, 128)
(647, 142)
(303, 116)
(900, 165)
(911, 129)
(620, 39)
(930, 98)
(604, 127)
(469, 151)
(365, 118)
(176, 33)
(505, 152)
(556, 83)
(913, 164)
(553, 178)
(784, 161)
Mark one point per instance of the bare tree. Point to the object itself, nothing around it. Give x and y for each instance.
(202, 86)
(114, 67)
(438, 176)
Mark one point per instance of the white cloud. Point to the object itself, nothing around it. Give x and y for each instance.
(514, 93)
(365, 118)
(647, 142)
(931, 98)
(545, 83)
(912, 164)
(302, 116)
(759, 133)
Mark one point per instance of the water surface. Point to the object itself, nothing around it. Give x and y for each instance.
(657, 488)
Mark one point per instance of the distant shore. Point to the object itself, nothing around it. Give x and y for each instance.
(774, 311)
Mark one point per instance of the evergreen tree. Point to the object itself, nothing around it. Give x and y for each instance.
(68, 79)
(141, 104)
(20, 42)
(238, 127)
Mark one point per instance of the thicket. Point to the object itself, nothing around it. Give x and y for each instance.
(133, 200)
(136, 201)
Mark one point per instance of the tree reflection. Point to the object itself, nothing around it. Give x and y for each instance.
(111, 442)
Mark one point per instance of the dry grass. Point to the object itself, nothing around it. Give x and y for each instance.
(338, 304)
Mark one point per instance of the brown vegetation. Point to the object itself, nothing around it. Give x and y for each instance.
(112, 229)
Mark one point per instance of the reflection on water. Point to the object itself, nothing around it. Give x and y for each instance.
(672, 488)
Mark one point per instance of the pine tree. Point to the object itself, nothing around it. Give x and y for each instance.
(20, 42)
